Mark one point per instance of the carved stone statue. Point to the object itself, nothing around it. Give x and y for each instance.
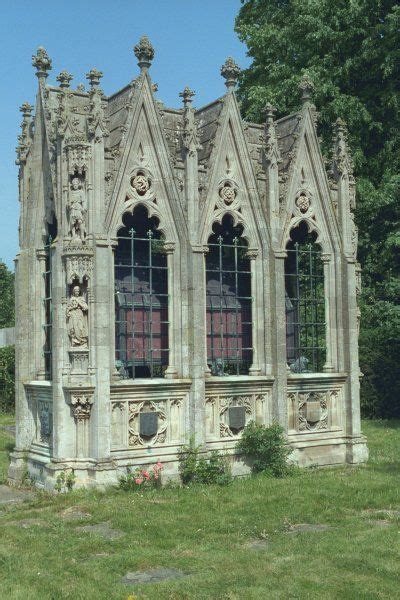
(300, 365)
(77, 309)
(77, 210)
(217, 368)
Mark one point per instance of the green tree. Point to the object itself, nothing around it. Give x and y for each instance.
(351, 50)
(6, 296)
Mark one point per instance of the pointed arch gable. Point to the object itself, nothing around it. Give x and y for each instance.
(309, 180)
(230, 166)
(145, 152)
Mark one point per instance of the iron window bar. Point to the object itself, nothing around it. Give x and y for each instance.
(220, 308)
(153, 357)
(305, 308)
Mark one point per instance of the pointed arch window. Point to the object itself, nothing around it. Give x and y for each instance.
(228, 301)
(305, 303)
(141, 298)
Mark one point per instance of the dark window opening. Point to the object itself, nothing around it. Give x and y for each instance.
(141, 298)
(305, 303)
(228, 301)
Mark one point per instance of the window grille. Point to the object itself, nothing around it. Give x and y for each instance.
(228, 304)
(305, 306)
(141, 302)
(48, 311)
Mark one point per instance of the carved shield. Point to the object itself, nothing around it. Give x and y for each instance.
(313, 411)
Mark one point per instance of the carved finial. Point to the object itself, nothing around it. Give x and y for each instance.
(187, 96)
(64, 78)
(26, 110)
(269, 112)
(306, 86)
(230, 71)
(94, 77)
(144, 52)
(42, 62)
(80, 87)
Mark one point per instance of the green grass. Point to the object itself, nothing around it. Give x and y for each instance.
(204, 530)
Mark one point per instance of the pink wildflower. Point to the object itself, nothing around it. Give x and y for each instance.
(159, 465)
(146, 475)
(138, 480)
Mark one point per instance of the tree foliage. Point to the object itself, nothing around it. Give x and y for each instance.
(6, 297)
(351, 51)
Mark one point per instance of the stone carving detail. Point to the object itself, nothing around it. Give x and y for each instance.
(141, 184)
(227, 402)
(97, 123)
(24, 140)
(144, 52)
(77, 208)
(303, 203)
(228, 193)
(271, 148)
(81, 406)
(217, 412)
(78, 263)
(42, 62)
(78, 155)
(230, 71)
(190, 136)
(77, 324)
(79, 360)
(311, 410)
(307, 87)
(342, 163)
(135, 439)
(64, 78)
(46, 421)
(41, 407)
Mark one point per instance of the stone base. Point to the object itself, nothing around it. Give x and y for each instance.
(329, 452)
(44, 471)
(17, 469)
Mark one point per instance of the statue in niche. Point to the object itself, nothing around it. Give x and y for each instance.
(77, 326)
(77, 210)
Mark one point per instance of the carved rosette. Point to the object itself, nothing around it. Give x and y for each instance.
(81, 406)
(303, 203)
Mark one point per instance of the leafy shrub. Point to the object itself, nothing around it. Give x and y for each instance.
(194, 468)
(65, 481)
(266, 447)
(141, 478)
(7, 379)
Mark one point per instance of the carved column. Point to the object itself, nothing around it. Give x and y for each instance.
(278, 309)
(330, 314)
(257, 316)
(174, 323)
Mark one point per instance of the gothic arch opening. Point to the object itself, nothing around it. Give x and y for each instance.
(141, 297)
(304, 302)
(228, 301)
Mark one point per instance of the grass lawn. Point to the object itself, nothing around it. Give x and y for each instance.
(205, 532)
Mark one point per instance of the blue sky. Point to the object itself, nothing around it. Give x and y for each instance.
(192, 38)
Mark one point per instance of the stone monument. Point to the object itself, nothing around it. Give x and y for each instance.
(181, 272)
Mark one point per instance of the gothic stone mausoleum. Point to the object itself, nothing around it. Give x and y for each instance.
(181, 272)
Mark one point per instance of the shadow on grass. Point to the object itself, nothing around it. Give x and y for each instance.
(392, 468)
